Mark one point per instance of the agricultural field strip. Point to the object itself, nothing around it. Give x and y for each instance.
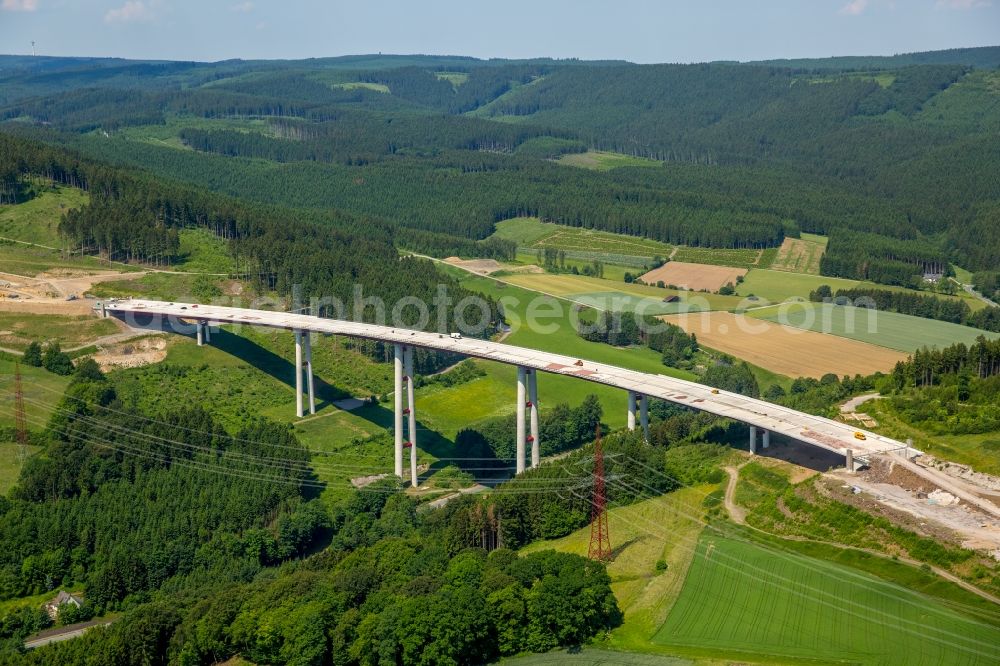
(786, 350)
(895, 595)
(568, 297)
(806, 428)
(892, 330)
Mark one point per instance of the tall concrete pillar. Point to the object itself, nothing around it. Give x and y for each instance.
(850, 460)
(104, 311)
(411, 428)
(200, 333)
(631, 410)
(753, 439)
(644, 416)
(397, 358)
(208, 332)
(520, 463)
(767, 438)
(298, 373)
(310, 384)
(536, 452)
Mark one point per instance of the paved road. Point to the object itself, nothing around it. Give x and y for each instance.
(818, 431)
(971, 290)
(64, 633)
(852, 405)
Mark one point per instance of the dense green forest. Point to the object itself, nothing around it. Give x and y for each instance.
(198, 537)
(951, 391)
(894, 158)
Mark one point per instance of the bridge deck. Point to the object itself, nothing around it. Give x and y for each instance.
(818, 431)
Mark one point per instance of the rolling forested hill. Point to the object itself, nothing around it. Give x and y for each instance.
(894, 158)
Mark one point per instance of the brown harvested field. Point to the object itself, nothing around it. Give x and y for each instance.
(798, 256)
(789, 351)
(693, 276)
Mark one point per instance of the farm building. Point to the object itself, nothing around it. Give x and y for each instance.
(61, 599)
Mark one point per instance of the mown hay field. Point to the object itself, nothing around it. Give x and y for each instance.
(784, 349)
(695, 277)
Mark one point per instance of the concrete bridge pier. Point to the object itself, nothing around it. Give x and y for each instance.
(536, 452)
(631, 409)
(397, 359)
(199, 333)
(208, 332)
(644, 416)
(767, 438)
(521, 404)
(411, 426)
(753, 439)
(310, 385)
(298, 373)
(849, 455)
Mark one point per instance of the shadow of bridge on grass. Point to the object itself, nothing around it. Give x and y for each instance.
(481, 463)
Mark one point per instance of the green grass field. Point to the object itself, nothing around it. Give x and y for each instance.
(600, 160)
(887, 329)
(37, 220)
(168, 134)
(455, 78)
(532, 233)
(162, 287)
(743, 601)
(203, 252)
(662, 528)
(354, 85)
(42, 391)
(777, 286)
(31, 260)
(12, 458)
(17, 329)
(962, 275)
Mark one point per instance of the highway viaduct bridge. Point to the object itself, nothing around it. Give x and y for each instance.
(759, 415)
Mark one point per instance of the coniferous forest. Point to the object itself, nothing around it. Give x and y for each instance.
(886, 157)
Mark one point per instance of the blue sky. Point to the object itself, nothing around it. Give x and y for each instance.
(637, 30)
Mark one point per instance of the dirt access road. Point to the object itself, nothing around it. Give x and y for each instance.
(61, 282)
(738, 516)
